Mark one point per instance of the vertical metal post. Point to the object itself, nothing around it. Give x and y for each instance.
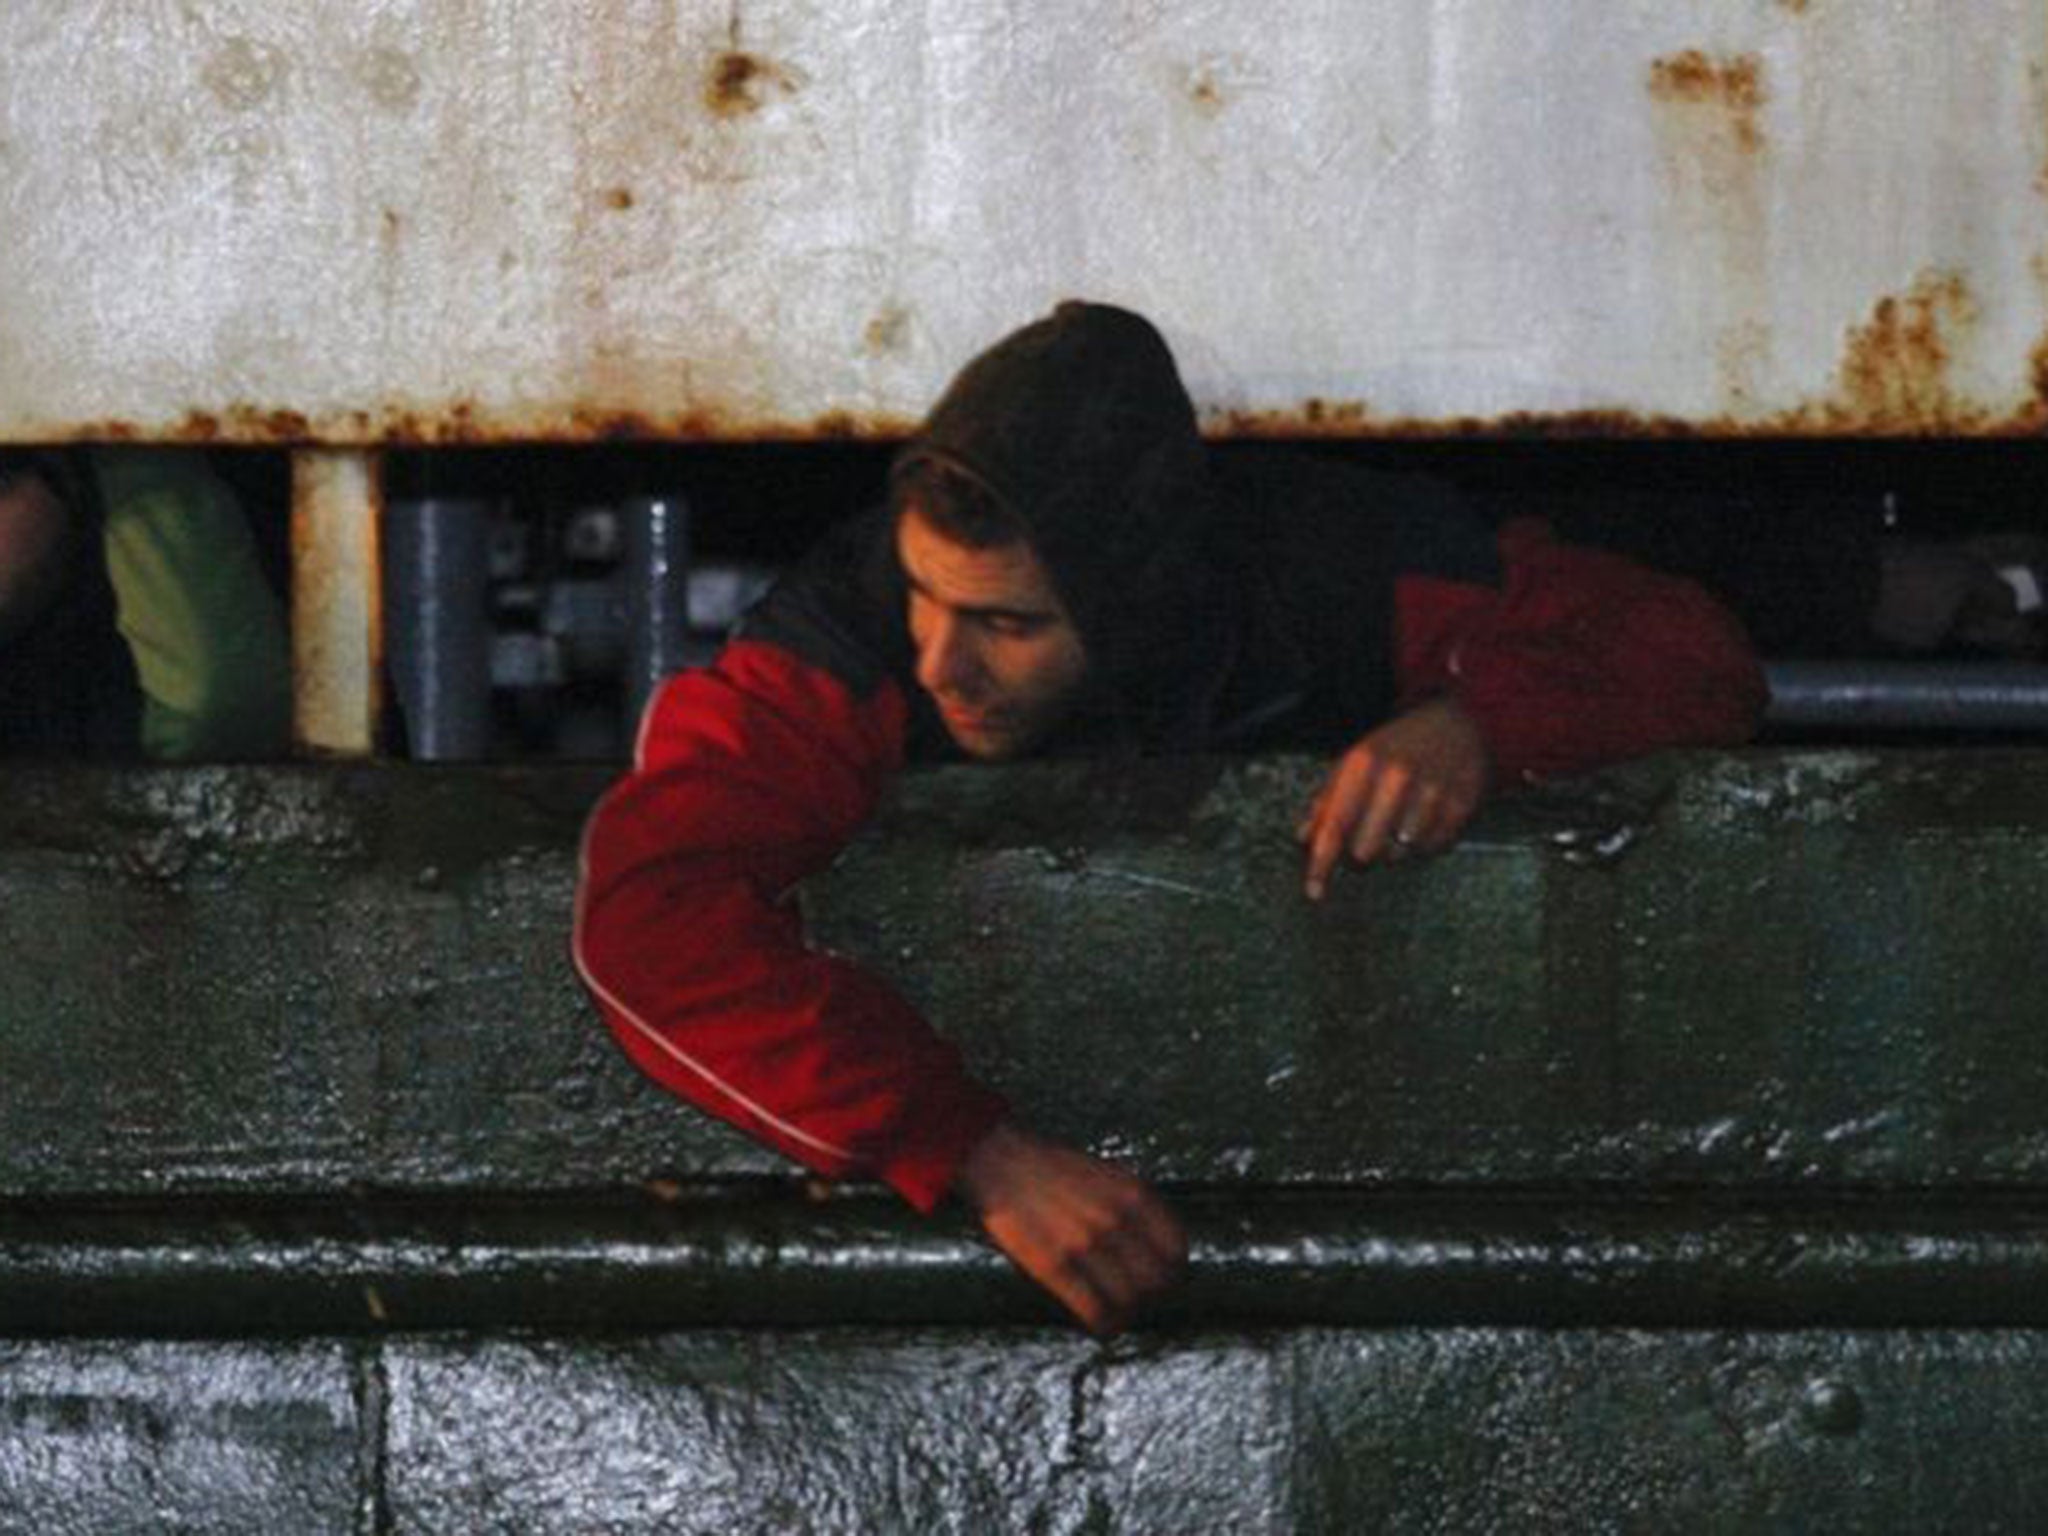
(436, 588)
(657, 596)
(337, 619)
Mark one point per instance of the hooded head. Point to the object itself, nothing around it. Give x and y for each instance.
(1069, 450)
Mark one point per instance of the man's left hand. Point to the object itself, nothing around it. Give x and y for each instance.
(1408, 787)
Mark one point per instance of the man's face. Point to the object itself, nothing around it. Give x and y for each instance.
(996, 648)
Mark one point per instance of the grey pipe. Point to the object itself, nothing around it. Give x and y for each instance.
(655, 574)
(438, 624)
(1909, 695)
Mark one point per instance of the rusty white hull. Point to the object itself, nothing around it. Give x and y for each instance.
(437, 220)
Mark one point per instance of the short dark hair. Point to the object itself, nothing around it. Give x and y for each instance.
(955, 503)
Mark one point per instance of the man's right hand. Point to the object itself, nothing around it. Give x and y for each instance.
(1094, 1235)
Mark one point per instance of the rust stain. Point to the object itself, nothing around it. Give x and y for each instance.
(1893, 381)
(703, 424)
(619, 199)
(599, 426)
(837, 427)
(1742, 356)
(1895, 370)
(1334, 420)
(284, 426)
(1205, 91)
(244, 424)
(1333, 415)
(392, 79)
(1831, 418)
(244, 73)
(2037, 359)
(1796, 7)
(2037, 81)
(1319, 418)
(1732, 84)
(888, 330)
(740, 83)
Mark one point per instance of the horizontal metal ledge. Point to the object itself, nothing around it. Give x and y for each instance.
(1909, 695)
(608, 1263)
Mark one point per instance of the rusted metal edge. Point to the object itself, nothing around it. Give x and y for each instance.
(1892, 383)
(462, 424)
(1416, 1259)
(1335, 420)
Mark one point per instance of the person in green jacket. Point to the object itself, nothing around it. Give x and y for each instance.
(207, 631)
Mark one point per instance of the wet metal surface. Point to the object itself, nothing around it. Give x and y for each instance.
(1448, 1431)
(1516, 1202)
(1258, 1258)
(1505, 1014)
(379, 957)
(697, 219)
(108, 1439)
(1309, 1431)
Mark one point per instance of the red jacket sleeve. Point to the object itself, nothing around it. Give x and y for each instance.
(749, 776)
(1579, 658)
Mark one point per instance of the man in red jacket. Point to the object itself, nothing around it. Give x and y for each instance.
(1063, 566)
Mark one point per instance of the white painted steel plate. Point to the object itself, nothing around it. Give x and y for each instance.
(431, 219)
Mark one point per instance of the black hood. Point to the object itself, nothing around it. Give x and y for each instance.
(1080, 425)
